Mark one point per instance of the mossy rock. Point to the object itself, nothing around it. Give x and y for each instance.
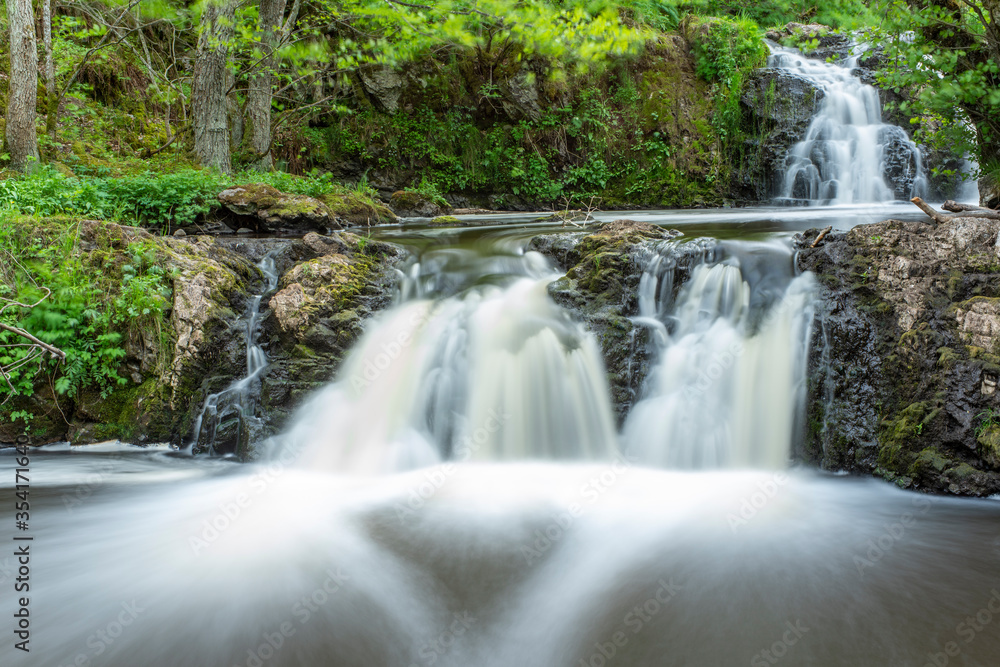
(447, 221)
(357, 209)
(409, 204)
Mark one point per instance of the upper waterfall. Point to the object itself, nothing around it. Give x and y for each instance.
(848, 155)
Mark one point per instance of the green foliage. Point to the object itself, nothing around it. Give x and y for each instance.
(429, 189)
(94, 304)
(942, 55)
(726, 52)
(845, 14)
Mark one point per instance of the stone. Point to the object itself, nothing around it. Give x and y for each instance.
(180, 232)
(409, 204)
(383, 86)
(244, 230)
(906, 352)
(265, 209)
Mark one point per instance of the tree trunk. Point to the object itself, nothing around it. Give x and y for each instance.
(210, 85)
(260, 92)
(51, 94)
(22, 142)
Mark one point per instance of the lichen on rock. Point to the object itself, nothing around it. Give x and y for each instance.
(904, 368)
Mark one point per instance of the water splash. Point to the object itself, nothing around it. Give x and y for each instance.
(849, 155)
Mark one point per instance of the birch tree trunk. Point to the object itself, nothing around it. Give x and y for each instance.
(22, 142)
(210, 85)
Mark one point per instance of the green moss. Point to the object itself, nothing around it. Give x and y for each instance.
(947, 357)
(446, 221)
(358, 209)
(928, 462)
(988, 439)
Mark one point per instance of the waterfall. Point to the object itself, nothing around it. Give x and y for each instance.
(848, 155)
(476, 362)
(237, 399)
(730, 378)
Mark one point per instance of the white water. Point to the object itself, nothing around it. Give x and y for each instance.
(488, 371)
(843, 157)
(237, 397)
(730, 379)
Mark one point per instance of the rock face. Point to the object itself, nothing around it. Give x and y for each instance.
(408, 204)
(779, 105)
(600, 288)
(266, 209)
(906, 354)
(329, 286)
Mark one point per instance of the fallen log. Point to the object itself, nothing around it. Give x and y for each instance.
(957, 207)
(941, 218)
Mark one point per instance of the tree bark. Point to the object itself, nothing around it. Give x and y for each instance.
(259, 95)
(51, 95)
(210, 86)
(941, 218)
(22, 141)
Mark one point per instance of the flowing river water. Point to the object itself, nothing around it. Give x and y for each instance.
(461, 495)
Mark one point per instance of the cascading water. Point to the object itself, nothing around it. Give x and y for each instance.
(848, 155)
(535, 564)
(732, 349)
(237, 399)
(475, 363)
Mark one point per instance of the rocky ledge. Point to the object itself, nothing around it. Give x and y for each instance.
(906, 354)
(329, 285)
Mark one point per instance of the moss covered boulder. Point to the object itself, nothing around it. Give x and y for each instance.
(266, 209)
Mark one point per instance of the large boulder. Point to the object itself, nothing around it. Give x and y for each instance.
(410, 204)
(265, 209)
(906, 354)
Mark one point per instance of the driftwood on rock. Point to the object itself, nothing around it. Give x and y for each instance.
(821, 236)
(956, 207)
(941, 218)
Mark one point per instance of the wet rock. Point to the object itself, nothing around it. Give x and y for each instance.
(600, 289)
(904, 361)
(329, 286)
(408, 204)
(266, 209)
(900, 158)
(779, 105)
